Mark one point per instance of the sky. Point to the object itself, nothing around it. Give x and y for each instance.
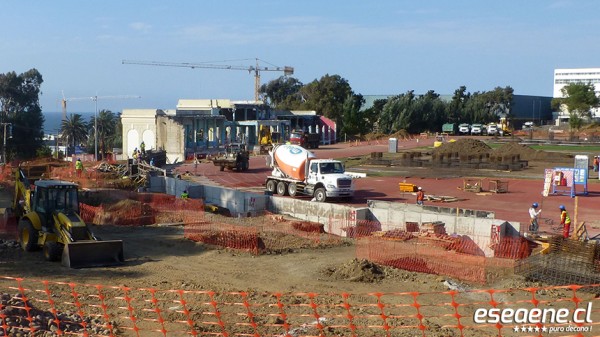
(384, 47)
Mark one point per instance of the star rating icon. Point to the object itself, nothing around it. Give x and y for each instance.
(524, 328)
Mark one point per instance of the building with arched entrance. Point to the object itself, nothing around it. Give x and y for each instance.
(197, 127)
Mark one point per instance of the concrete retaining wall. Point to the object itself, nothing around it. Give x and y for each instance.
(239, 203)
(391, 215)
(475, 224)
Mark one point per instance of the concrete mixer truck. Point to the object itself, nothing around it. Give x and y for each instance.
(297, 171)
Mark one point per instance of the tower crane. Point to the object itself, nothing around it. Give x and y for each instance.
(253, 68)
(95, 99)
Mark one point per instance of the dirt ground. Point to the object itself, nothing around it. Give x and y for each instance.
(160, 257)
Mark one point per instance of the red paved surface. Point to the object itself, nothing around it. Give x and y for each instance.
(511, 206)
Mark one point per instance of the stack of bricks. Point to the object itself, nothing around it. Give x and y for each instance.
(436, 227)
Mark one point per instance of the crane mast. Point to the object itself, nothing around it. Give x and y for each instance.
(256, 69)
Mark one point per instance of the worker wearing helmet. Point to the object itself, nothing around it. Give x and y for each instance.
(420, 196)
(533, 214)
(565, 221)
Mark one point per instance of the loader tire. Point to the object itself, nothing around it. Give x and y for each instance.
(28, 236)
(53, 251)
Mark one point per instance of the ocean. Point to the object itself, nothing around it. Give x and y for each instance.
(53, 120)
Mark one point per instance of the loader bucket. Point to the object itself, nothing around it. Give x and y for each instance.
(85, 254)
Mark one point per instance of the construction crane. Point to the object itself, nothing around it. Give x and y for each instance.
(256, 69)
(95, 99)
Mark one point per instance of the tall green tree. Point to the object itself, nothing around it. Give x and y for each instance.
(457, 105)
(283, 93)
(354, 120)
(578, 100)
(327, 96)
(73, 130)
(20, 106)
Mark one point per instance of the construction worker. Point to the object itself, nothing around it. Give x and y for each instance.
(78, 168)
(565, 221)
(184, 194)
(533, 214)
(143, 148)
(420, 196)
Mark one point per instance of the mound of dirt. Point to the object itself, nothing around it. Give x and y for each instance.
(463, 146)
(524, 151)
(357, 271)
(527, 153)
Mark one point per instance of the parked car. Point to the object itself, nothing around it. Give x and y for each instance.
(528, 125)
(464, 129)
(492, 129)
(476, 129)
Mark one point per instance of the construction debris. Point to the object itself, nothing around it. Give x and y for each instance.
(566, 262)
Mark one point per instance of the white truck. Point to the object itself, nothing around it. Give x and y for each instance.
(297, 171)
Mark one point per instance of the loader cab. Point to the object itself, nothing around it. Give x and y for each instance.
(53, 196)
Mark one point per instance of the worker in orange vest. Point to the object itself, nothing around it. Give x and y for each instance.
(565, 221)
(420, 196)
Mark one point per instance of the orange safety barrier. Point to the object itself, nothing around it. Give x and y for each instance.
(40, 307)
(257, 239)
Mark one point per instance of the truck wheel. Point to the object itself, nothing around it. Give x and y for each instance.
(320, 195)
(53, 251)
(281, 188)
(292, 189)
(28, 236)
(271, 186)
(222, 168)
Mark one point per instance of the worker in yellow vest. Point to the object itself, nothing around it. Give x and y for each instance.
(78, 167)
(565, 221)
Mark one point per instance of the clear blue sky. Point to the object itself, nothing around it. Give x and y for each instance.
(380, 47)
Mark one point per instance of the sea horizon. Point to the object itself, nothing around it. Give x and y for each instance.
(53, 119)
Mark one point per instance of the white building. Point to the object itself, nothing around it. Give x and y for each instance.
(564, 77)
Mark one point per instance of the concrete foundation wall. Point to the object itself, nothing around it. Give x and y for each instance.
(475, 224)
(391, 215)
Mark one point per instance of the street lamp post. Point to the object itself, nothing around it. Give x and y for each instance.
(95, 98)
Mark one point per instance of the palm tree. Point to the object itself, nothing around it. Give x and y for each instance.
(73, 130)
(107, 127)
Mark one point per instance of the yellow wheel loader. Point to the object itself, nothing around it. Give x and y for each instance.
(48, 219)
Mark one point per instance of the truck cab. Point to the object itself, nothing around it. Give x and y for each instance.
(330, 176)
(492, 129)
(464, 129)
(476, 129)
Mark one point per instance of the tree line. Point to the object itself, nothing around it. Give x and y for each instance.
(330, 96)
(22, 121)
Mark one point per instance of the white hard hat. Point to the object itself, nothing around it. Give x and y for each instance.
(419, 188)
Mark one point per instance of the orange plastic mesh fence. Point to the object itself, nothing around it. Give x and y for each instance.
(258, 238)
(224, 235)
(415, 256)
(36, 307)
(135, 209)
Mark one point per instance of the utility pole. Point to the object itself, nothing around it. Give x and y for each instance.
(95, 99)
(4, 146)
